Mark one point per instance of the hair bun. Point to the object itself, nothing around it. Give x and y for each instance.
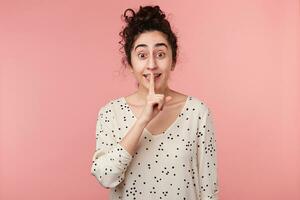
(145, 14)
(148, 13)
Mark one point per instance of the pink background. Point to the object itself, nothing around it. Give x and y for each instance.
(60, 63)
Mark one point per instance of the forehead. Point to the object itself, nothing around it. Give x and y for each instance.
(150, 39)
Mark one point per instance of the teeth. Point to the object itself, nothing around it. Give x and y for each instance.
(155, 75)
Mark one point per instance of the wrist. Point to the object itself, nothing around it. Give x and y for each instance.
(142, 122)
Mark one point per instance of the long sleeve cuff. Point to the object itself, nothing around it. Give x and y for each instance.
(122, 157)
(109, 168)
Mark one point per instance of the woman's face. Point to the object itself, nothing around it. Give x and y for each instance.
(151, 52)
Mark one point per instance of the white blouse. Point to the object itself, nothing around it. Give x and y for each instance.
(179, 163)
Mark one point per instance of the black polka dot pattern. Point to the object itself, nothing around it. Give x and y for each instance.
(179, 163)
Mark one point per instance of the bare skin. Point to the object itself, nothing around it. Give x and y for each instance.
(165, 117)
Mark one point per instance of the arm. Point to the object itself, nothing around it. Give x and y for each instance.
(207, 159)
(110, 160)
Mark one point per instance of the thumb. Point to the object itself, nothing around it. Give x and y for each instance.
(168, 98)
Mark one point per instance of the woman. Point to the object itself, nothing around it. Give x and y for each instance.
(156, 143)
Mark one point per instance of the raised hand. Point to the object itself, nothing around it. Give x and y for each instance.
(155, 102)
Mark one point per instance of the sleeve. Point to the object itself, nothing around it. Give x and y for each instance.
(112, 159)
(207, 159)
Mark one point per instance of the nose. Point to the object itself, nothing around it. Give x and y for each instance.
(151, 63)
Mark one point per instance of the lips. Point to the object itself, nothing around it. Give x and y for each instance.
(156, 76)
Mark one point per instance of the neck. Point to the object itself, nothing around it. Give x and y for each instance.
(142, 92)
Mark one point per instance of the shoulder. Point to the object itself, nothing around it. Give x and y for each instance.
(203, 111)
(109, 106)
(199, 104)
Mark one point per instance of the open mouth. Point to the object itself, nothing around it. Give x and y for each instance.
(156, 76)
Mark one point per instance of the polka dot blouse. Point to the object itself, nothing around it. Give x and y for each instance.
(179, 163)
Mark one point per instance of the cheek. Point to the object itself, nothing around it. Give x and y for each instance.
(136, 68)
(134, 60)
(138, 65)
(138, 74)
(166, 66)
(133, 63)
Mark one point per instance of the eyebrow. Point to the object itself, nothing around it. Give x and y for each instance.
(156, 45)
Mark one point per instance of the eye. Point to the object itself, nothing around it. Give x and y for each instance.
(160, 54)
(142, 55)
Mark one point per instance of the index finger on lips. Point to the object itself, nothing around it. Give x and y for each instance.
(151, 84)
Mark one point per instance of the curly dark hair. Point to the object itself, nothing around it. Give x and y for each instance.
(148, 18)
